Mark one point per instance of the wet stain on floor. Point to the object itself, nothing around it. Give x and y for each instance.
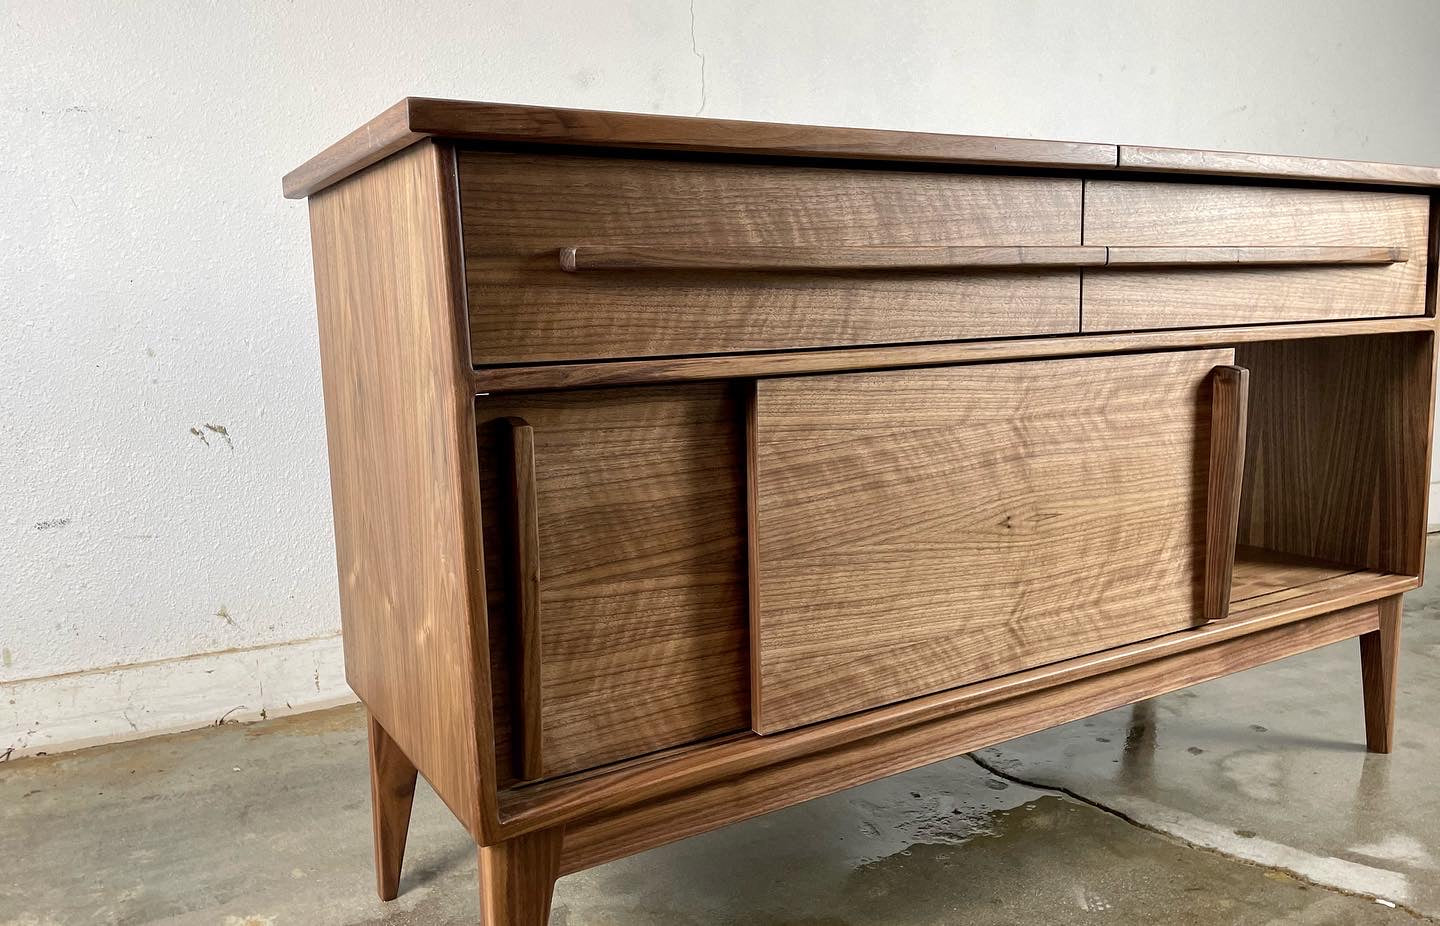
(1048, 860)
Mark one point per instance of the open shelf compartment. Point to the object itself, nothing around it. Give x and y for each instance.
(1337, 457)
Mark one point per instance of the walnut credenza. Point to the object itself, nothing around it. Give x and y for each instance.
(687, 469)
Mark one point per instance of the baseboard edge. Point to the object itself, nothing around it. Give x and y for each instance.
(60, 713)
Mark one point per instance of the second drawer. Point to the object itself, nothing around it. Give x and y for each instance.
(1352, 254)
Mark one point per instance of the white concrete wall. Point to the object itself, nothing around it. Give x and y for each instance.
(162, 455)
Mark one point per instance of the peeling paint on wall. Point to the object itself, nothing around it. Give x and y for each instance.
(205, 430)
(221, 430)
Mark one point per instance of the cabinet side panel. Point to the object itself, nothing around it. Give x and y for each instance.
(1338, 451)
(400, 419)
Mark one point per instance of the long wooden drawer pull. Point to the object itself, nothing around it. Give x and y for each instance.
(576, 258)
(1140, 257)
(526, 588)
(1229, 409)
(740, 259)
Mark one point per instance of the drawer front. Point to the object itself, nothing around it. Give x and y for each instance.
(739, 257)
(614, 531)
(919, 530)
(1320, 230)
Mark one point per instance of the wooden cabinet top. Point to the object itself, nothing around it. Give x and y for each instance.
(416, 118)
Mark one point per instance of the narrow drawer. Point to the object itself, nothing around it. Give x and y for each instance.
(1208, 255)
(614, 571)
(700, 257)
(919, 530)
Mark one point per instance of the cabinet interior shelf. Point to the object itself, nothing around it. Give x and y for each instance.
(1264, 579)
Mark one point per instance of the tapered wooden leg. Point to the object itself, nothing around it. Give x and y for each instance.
(1379, 662)
(392, 793)
(517, 879)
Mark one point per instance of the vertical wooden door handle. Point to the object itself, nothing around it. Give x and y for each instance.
(1229, 408)
(526, 588)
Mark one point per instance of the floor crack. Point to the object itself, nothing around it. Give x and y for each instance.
(1126, 818)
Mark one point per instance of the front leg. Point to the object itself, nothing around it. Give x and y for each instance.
(517, 879)
(1379, 665)
(392, 793)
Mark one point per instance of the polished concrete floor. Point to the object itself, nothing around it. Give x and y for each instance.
(1246, 800)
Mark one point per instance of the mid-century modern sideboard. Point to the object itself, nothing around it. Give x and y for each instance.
(686, 469)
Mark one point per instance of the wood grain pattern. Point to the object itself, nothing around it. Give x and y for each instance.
(640, 522)
(788, 363)
(603, 257)
(1128, 213)
(418, 117)
(1070, 494)
(1136, 257)
(600, 838)
(1328, 594)
(400, 422)
(1277, 166)
(541, 124)
(517, 879)
(1260, 572)
(1337, 459)
(519, 210)
(1229, 404)
(1379, 674)
(1134, 214)
(650, 779)
(529, 662)
(415, 118)
(392, 794)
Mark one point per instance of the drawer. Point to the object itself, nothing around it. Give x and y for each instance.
(614, 572)
(919, 530)
(699, 257)
(1294, 255)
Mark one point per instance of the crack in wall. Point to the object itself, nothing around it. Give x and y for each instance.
(695, 50)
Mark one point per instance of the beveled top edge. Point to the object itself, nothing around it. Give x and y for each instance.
(375, 140)
(416, 118)
(1277, 166)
